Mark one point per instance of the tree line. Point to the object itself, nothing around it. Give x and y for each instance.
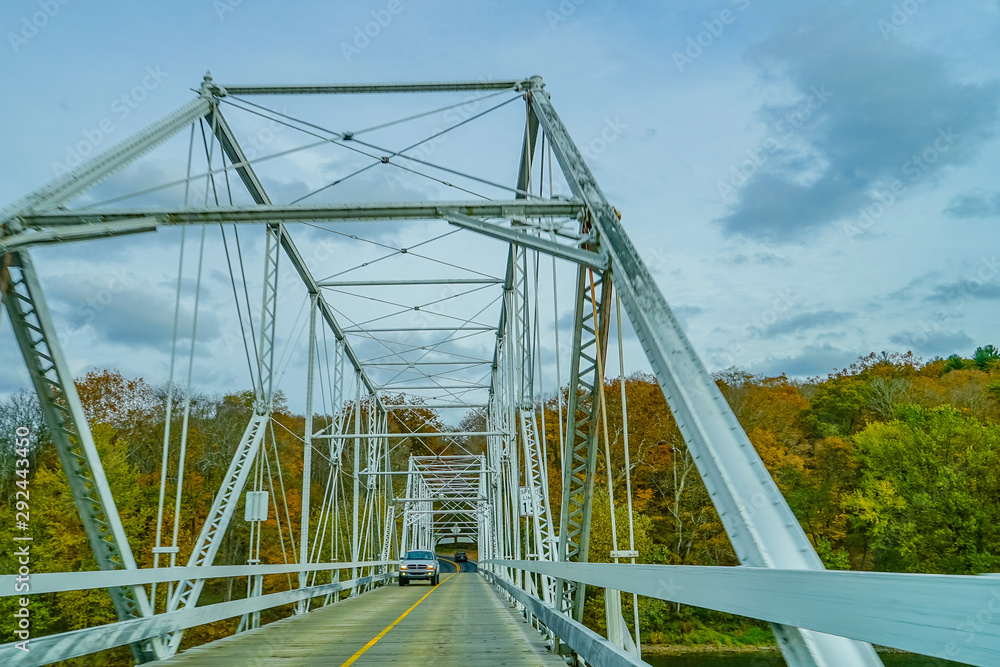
(890, 464)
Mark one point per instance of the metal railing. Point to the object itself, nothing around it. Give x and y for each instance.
(948, 617)
(66, 645)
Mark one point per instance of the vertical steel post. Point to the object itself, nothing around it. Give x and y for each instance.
(355, 502)
(307, 442)
(269, 317)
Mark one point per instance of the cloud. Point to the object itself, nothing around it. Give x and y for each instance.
(962, 289)
(148, 172)
(908, 291)
(976, 204)
(812, 361)
(688, 310)
(937, 343)
(125, 309)
(805, 321)
(757, 258)
(884, 104)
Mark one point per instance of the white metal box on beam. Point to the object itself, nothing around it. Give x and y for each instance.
(256, 506)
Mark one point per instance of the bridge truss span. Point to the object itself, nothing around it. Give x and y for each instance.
(429, 256)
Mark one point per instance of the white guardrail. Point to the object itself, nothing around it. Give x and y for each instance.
(950, 617)
(52, 648)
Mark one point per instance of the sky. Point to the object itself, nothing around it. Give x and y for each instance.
(807, 181)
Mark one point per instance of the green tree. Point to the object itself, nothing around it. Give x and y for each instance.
(836, 407)
(927, 491)
(986, 357)
(956, 363)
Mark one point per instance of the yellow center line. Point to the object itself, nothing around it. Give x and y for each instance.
(457, 568)
(392, 625)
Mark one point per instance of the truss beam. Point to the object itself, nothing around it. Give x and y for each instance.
(346, 88)
(103, 165)
(426, 281)
(436, 406)
(270, 213)
(68, 234)
(443, 434)
(483, 327)
(593, 260)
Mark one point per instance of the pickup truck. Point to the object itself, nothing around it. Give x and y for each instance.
(419, 565)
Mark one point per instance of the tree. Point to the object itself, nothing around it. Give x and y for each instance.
(110, 398)
(986, 357)
(20, 409)
(836, 407)
(884, 394)
(955, 363)
(927, 492)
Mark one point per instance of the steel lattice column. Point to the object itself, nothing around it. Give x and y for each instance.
(536, 478)
(580, 461)
(272, 256)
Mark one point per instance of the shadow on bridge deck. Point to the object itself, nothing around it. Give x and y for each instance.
(463, 621)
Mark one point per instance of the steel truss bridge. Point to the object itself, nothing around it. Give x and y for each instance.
(497, 496)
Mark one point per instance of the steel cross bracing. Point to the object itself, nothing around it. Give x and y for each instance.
(210, 538)
(470, 496)
(543, 542)
(582, 415)
(444, 499)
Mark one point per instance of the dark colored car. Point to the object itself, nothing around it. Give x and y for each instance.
(419, 564)
(460, 557)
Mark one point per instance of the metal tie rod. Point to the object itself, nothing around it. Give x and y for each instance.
(406, 435)
(481, 327)
(427, 281)
(476, 362)
(436, 406)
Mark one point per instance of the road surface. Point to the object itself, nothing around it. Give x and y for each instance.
(462, 621)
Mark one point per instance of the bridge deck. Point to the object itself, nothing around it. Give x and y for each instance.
(462, 622)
